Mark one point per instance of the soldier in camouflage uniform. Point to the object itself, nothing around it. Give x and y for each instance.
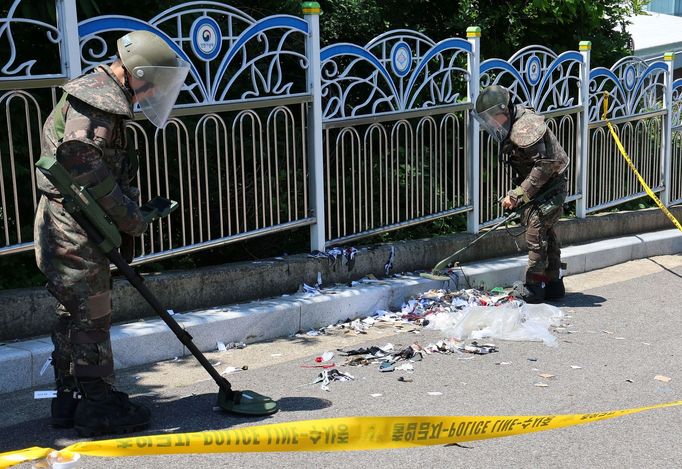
(538, 162)
(86, 134)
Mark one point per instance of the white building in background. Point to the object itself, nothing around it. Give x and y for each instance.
(658, 32)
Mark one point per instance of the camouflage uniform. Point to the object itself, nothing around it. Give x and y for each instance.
(537, 159)
(93, 151)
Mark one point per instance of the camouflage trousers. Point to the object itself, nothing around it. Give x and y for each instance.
(544, 249)
(78, 277)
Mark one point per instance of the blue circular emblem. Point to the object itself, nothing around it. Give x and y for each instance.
(206, 38)
(533, 70)
(401, 59)
(630, 76)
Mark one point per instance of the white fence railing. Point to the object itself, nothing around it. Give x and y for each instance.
(272, 133)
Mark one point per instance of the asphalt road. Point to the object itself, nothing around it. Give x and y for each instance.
(623, 328)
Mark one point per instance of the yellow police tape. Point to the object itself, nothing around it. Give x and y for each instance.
(632, 166)
(334, 434)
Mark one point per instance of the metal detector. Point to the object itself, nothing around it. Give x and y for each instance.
(89, 215)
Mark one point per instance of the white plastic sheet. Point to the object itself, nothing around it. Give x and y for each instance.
(510, 321)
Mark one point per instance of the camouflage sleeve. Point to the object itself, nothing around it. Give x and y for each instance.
(87, 133)
(544, 169)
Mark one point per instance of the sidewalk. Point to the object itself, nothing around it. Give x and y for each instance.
(150, 340)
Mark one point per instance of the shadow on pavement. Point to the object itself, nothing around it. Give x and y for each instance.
(302, 404)
(578, 299)
(193, 413)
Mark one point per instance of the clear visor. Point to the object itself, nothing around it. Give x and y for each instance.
(495, 121)
(157, 88)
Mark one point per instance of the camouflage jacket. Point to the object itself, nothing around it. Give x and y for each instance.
(534, 153)
(93, 148)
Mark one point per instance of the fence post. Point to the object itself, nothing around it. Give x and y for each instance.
(311, 13)
(667, 137)
(473, 137)
(67, 23)
(583, 143)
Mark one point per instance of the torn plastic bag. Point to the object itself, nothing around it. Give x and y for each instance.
(509, 321)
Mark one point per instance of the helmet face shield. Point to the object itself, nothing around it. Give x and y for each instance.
(496, 121)
(156, 88)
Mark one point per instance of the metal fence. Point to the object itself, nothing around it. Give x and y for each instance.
(394, 116)
(272, 133)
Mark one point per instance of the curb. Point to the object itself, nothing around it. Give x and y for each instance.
(21, 362)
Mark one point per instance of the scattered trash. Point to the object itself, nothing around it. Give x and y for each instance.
(309, 291)
(662, 378)
(234, 369)
(482, 349)
(222, 347)
(389, 263)
(327, 376)
(386, 366)
(405, 367)
(508, 321)
(56, 459)
(326, 356)
(47, 363)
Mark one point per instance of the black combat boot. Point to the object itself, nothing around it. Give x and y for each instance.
(104, 410)
(555, 290)
(63, 407)
(536, 293)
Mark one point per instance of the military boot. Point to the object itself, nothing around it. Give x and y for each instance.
(63, 408)
(535, 293)
(535, 288)
(104, 410)
(555, 290)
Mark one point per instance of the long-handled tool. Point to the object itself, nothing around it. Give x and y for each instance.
(81, 206)
(435, 272)
(551, 189)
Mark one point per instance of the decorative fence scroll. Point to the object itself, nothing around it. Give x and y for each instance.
(635, 105)
(549, 83)
(394, 114)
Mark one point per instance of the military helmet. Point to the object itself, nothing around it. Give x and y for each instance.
(144, 49)
(157, 74)
(493, 113)
(492, 96)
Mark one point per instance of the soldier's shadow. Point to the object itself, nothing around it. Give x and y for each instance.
(199, 412)
(580, 300)
(193, 413)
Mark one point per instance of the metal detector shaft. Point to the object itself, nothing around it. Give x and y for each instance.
(138, 282)
(442, 264)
